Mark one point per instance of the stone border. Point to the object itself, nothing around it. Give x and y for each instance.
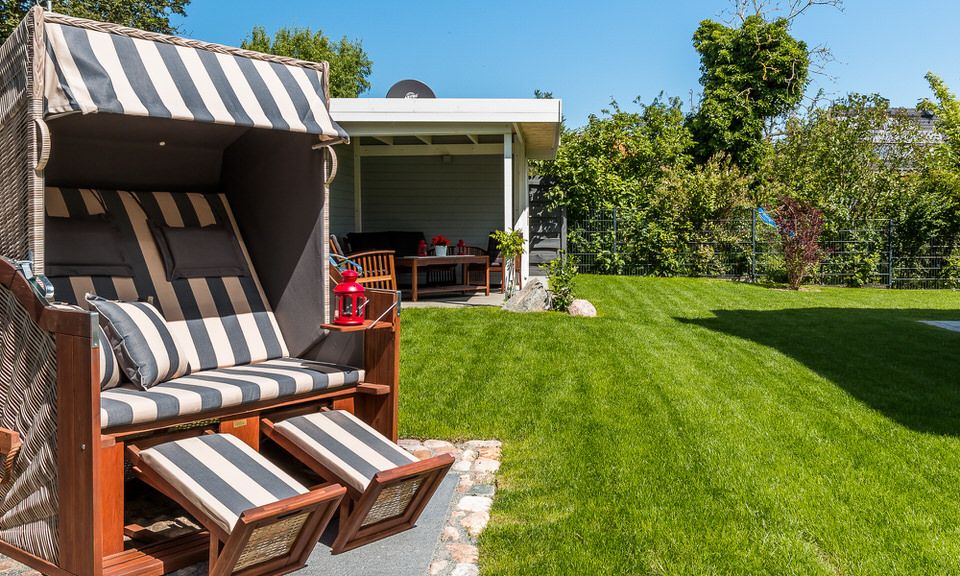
(477, 464)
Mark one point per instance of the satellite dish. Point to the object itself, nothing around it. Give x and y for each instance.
(410, 89)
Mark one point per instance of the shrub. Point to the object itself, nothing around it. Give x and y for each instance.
(860, 268)
(705, 261)
(800, 227)
(951, 271)
(561, 273)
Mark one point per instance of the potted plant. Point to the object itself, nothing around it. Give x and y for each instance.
(440, 245)
(511, 246)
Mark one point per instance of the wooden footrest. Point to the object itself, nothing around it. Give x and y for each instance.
(261, 521)
(387, 488)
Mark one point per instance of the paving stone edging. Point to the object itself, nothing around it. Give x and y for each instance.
(477, 463)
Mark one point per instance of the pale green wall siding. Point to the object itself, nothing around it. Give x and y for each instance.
(341, 193)
(462, 199)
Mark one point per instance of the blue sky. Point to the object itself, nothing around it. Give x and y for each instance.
(590, 52)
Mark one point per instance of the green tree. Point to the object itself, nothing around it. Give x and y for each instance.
(854, 160)
(617, 155)
(751, 75)
(152, 15)
(350, 66)
(862, 163)
(940, 178)
(946, 109)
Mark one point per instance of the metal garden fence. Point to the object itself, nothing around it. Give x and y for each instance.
(744, 248)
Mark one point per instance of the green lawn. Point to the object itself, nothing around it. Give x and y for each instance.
(705, 427)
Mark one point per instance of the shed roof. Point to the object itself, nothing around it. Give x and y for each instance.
(537, 121)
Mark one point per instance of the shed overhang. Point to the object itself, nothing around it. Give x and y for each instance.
(536, 121)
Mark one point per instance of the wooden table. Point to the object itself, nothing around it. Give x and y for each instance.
(417, 262)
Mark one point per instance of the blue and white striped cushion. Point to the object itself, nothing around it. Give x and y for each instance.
(221, 475)
(345, 445)
(211, 390)
(109, 370)
(147, 351)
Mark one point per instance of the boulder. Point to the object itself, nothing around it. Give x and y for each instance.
(533, 297)
(582, 308)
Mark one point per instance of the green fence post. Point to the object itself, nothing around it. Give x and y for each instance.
(890, 253)
(614, 231)
(753, 245)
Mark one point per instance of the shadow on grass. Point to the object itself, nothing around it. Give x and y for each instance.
(887, 359)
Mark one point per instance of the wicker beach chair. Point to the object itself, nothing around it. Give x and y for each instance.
(387, 488)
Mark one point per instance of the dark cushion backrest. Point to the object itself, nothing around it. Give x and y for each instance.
(219, 321)
(402, 243)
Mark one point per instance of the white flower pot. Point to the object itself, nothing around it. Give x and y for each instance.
(440, 250)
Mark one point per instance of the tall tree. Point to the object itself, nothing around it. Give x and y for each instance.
(751, 74)
(946, 108)
(152, 15)
(617, 156)
(350, 66)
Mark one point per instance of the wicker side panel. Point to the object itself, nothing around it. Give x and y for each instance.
(271, 541)
(29, 503)
(17, 237)
(392, 501)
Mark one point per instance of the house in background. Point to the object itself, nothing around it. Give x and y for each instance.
(451, 166)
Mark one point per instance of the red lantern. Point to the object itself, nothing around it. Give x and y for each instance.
(422, 248)
(351, 303)
(461, 247)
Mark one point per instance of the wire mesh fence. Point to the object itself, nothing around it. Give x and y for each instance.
(743, 247)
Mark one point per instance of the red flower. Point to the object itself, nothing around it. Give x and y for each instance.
(439, 240)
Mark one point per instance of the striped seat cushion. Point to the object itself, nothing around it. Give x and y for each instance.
(221, 475)
(218, 321)
(345, 445)
(211, 390)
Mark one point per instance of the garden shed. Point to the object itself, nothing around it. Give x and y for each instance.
(451, 166)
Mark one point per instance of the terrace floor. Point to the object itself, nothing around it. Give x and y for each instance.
(456, 301)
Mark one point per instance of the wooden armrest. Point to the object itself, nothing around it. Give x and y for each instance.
(373, 389)
(56, 319)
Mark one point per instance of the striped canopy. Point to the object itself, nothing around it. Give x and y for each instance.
(92, 68)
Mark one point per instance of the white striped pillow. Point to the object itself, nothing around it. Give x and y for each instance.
(148, 353)
(109, 370)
